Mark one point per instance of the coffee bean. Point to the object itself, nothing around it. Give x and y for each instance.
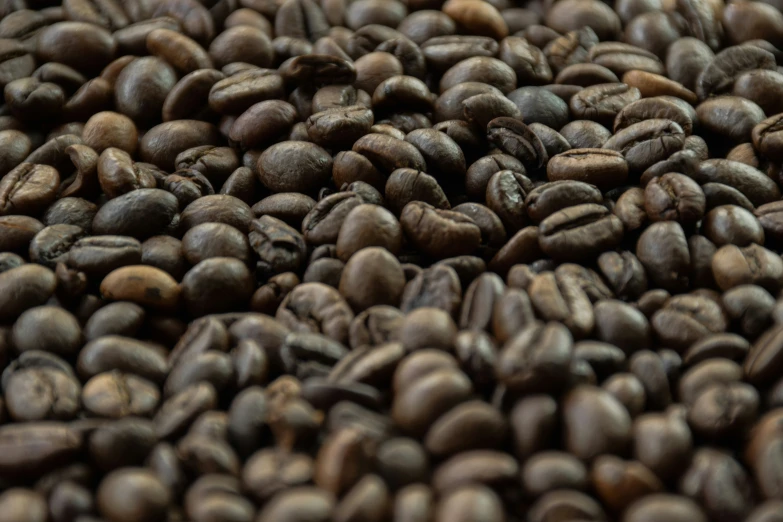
(376, 268)
(595, 423)
(674, 197)
(487, 467)
(28, 189)
(673, 507)
(145, 495)
(521, 364)
(516, 139)
(506, 191)
(718, 75)
(668, 267)
(483, 20)
(62, 334)
(139, 213)
(115, 395)
(470, 503)
(662, 441)
(299, 502)
(439, 233)
(23, 288)
(18, 232)
(602, 168)
(731, 266)
(162, 143)
(580, 232)
(214, 285)
(37, 447)
(143, 285)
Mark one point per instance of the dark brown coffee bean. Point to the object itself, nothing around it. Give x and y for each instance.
(516, 139)
(602, 168)
(477, 18)
(602, 103)
(718, 76)
(733, 266)
(580, 232)
(417, 406)
(439, 233)
(663, 250)
(28, 189)
(17, 232)
(595, 423)
(145, 495)
(23, 288)
(671, 507)
(142, 87)
(486, 467)
(674, 197)
(663, 443)
(299, 502)
(469, 503)
(536, 359)
(293, 166)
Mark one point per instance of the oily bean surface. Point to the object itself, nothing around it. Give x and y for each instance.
(391, 260)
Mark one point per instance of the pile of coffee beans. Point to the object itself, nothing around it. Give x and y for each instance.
(391, 261)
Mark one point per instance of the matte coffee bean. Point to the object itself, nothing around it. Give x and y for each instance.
(214, 240)
(731, 266)
(217, 284)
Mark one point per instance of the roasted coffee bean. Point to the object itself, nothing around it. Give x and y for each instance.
(595, 423)
(516, 139)
(142, 87)
(718, 76)
(733, 266)
(601, 103)
(28, 189)
(674, 197)
(140, 213)
(439, 233)
(645, 143)
(559, 299)
(536, 359)
(580, 232)
(506, 193)
(24, 287)
(539, 105)
(385, 261)
(603, 168)
(28, 98)
(280, 248)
